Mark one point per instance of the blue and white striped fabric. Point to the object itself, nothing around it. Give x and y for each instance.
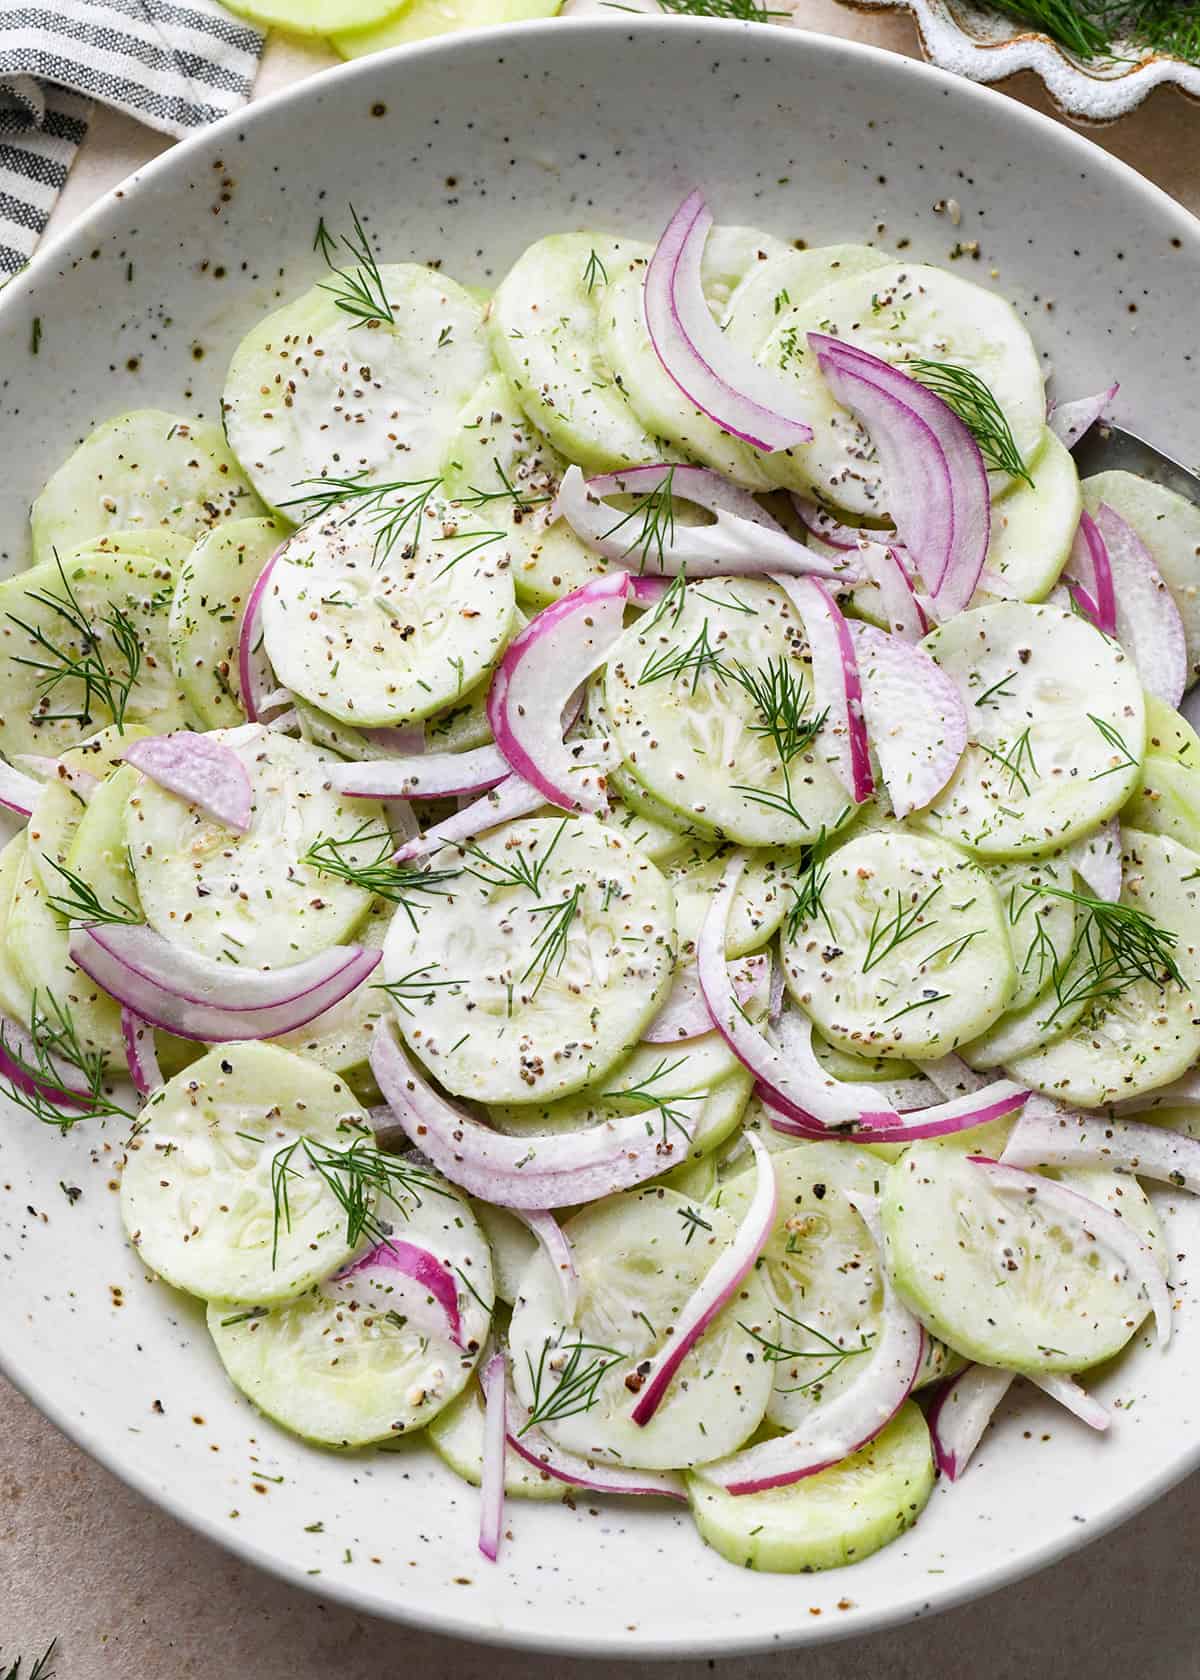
(173, 64)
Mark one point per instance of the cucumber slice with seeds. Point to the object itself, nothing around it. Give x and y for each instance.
(38, 948)
(198, 1193)
(1167, 801)
(56, 818)
(762, 900)
(1057, 729)
(249, 897)
(827, 1521)
(165, 546)
(910, 955)
(511, 991)
(206, 615)
(344, 1365)
(141, 471)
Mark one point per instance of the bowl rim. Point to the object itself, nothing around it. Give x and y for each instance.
(78, 238)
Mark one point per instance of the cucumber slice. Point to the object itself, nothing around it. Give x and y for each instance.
(98, 853)
(141, 471)
(658, 402)
(494, 449)
(595, 720)
(391, 639)
(1002, 1281)
(419, 20)
(206, 615)
(1170, 735)
(1167, 801)
(549, 561)
(684, 730)
(313, 393)
(545, 334)
(249, 897)
(637, 1270)
(823, 1270)
(314, 17)
(898, 312)
(165, 546)
(197, 1191)
(1169, 525)
(910, 954)
(1057, 723)
(661, 843)
(695, 1179)
(342, 1365)
(874, 1070)
(511, 993)
(340, 1039)
(1032, 530)
(15, 1001)
(38, 949)
(123, 601)
(784, 281)
(829, 1520)
(513, 1246)
(762, 900)
(456, 1436)
(1148, 1034)
(60, 809)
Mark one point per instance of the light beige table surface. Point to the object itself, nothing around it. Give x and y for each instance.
(130, 1595)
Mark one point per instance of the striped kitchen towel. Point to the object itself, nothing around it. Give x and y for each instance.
(173, 64)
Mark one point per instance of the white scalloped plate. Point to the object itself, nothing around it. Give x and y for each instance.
(463, 151)
(980, 42)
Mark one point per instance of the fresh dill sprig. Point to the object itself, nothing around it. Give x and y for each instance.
(354, 1176)
(693, 1222)
(358, 292)
(740, 11)
(778, 1353)
(646, 1100)
(699, 658)
(964, 392)
(1114, 946)
(672, 604)
(656, 533)
(566, 1389)
(516, 869)
(1113, 738)
(988, 697)
(375, 503)
(550, 948)
(481, 498)
(378, 874)
(39, 1671)
(896, 929)
(83, 905)
(37, 1080)
(81, 658)
(594, 270)
(808, 890)
(413, 986)
(1018, 761)
(781, 700)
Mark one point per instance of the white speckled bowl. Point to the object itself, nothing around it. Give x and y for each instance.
(462, 152)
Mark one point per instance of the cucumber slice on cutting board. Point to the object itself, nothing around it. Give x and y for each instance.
(910, 955)
(534, 972)
(637, 1270)
(312, 392)
(684, 729)
(347, 1363)
(1169, 525)
(827, 1521)
(141, 471)
(205, 622)
(1057, 729)
(1005, 1281)
(545, 334)
(1149, 1033)
(250, 897)
(200, 1182)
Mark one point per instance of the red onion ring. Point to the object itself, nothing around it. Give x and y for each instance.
(836, 684)
(1051, 1135)
(960, 1414)
(18, 793)
(557, 1247)
(1088, 576)
(255, 677)
(141, 1054)
(538, 1449)
(494, 1383)
(1077, 1400)
(914, 715)
(422, 776)
(199, 769)
(423, 1269)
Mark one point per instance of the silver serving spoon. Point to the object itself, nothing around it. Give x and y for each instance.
(1109, 448)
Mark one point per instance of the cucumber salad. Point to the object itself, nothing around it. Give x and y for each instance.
(625, 856)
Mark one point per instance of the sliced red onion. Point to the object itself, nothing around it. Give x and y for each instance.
(718, 1287)
(63, 1085)
(906, 616)
(513, 797)
(936, 479)
(422, 776)
(685, 1013)
(1088, 576)
(539, 672)
(1097, 860)
(775, 1000)
(745, 540)
(558, 1170)
(18, 792)
(558, 1250)
(432, 1278)
(842, 1425)
(722, 381)
(1069, 421)
(404, 741)
(255, 676)
(200, 770)
(822, 525)
(199, 999)
(1077, 1400)
(1149, 626)
(836, 683)
(1051, 1135)
(1099, 1223)
(960, 1414)
(544, 1454)
(141, 1054)
(494, 1383)
(914, 716)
